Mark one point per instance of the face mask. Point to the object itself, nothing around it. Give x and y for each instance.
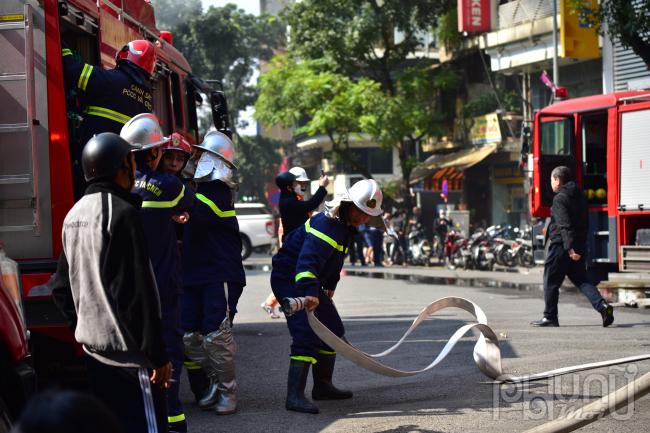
(298, 189)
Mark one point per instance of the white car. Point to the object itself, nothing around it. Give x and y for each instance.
(256, 227)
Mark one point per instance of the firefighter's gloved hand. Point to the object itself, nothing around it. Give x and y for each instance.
(162, 376)
(311, 302)
(181, 218)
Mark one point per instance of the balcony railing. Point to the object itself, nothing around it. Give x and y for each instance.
(522, 11)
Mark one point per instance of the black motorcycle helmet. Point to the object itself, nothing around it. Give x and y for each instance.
(283, 180)
(102, 156)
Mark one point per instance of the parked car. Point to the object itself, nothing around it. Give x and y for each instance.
(256, 227)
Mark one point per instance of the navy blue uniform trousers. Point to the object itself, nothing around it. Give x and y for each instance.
(204, 305)
(304, 341)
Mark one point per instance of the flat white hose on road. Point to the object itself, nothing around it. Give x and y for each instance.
(487, 354)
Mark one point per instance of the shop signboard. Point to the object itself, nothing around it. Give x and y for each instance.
(474, 16)
(485, 129)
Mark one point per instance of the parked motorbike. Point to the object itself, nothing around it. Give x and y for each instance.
(419, 248)
(455, 247)
(393, 251)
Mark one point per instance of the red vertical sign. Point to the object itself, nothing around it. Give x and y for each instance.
(474, 16)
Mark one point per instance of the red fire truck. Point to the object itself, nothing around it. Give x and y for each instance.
(37, 120)
(604, 138)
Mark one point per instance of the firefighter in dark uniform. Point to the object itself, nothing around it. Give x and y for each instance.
(213, 273)
(308, 265)
(294, 209)
(109, 98)
(163, 198)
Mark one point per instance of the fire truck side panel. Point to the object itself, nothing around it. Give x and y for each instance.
(25, 219)
(612, 184)
(59, 161)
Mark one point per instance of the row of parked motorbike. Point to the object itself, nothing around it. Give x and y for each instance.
(504, 246)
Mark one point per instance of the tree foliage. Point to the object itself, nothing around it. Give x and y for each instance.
(227, 44)
(170, 13)
(360, 69)
(625, 20)
(258, 159)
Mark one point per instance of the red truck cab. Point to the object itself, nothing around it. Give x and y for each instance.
(603, 139)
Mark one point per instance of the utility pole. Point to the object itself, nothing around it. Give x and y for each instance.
(556, 71)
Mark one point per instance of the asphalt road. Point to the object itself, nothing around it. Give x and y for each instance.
(454, 397)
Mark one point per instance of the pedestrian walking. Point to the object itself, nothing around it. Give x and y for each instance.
(566, 239)
(164, 200)
(107, 99)
(213, 273)
(106, 289)
(309, 265)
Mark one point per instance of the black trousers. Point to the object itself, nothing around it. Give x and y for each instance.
(559, 265)
(139, 405)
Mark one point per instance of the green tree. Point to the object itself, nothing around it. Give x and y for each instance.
(625, 20)
(227, 44)
(370, 76)
(170, 13)
(258, 159)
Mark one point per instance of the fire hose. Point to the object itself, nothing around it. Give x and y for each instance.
(487, 354)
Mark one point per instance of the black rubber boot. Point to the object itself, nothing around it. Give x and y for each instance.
(323, 387)
(296, 400)
(199, 381)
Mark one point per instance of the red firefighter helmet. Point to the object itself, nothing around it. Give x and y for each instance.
(139, 52)
(178, 142)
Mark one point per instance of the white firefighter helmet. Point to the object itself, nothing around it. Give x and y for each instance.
(144, 130)
(219, 144)
(367, 196)
(300, 173)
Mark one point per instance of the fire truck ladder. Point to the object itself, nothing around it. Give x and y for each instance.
(19, 170)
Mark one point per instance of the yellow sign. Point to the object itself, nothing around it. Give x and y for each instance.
(16, 17)
(485, 129)
(578, 39)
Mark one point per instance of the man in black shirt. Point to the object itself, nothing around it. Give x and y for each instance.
(567, 247)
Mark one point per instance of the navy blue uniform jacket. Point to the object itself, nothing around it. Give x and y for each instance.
(295, 212)
(312, 256)
(163, 195)
(109, 97)
(211, 242)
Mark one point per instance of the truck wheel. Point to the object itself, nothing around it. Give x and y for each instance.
(246, 248)
(5, 420)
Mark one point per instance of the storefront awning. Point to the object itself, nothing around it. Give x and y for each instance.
(461, 160)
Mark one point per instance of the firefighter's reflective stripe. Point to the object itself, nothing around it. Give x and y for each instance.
(305, 274)
(322, 236)
(192, 365)
(176, 418)
(84, 77)
(326, 352)
(66, 52)
(94, 110)
(164, 204)
(309, 359)
(220, 213)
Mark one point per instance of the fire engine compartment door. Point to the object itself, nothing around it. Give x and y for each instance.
(635, 160)
(555, 146)
(25, 219)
